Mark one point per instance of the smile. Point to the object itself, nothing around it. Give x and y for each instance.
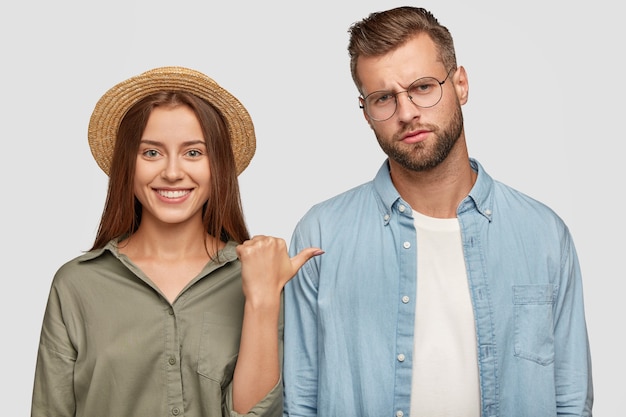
(173, 193)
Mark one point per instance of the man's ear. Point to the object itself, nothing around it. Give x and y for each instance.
(461, 84)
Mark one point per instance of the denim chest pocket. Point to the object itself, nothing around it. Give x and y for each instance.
(534, 322)
(219, 347)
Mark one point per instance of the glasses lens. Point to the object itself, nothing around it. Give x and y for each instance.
(425, 92)
(380, 105)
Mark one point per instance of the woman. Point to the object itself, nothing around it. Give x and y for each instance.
(174, 310)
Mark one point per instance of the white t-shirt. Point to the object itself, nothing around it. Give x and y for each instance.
(445, 365)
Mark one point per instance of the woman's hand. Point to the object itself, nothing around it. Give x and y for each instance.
(266, 266)
(265, 269)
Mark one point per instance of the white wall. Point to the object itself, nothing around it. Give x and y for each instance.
(544, 115)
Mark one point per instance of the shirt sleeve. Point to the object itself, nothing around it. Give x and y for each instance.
(300, 368)
(574, 388)
(53, 391)
(270, 406)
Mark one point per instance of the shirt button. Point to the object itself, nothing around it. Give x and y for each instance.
(405, 299)
(401, 357)
(171, 312)
(399, 413)
(175, 411)
(401, 208)
(406, 245)
(386, 217)
(171, 360)
(488, 212)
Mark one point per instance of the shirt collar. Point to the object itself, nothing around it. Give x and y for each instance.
(228, 254)
(480, 197)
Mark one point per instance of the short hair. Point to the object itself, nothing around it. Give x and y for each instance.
(385, 31)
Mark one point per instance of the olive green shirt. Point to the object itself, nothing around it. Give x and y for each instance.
(112, 345)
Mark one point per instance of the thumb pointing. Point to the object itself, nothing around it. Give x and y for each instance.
(301, 258)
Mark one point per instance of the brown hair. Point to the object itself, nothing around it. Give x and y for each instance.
(223, 213)
(382, 32)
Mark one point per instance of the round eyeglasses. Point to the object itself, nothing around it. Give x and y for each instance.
(424, 92)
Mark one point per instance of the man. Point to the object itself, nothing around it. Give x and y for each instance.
(441, 292)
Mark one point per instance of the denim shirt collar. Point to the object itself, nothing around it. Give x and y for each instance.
(480, 197)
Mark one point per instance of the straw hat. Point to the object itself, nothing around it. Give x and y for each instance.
(113, 105)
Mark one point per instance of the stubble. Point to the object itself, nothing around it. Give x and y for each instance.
(424, 156)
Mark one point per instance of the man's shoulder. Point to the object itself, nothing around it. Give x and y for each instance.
(507, 196)
(344, 200)
(339, 211)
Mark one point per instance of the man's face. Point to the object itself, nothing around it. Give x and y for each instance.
(416, 138)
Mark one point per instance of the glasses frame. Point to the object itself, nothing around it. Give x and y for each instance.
(395, 97)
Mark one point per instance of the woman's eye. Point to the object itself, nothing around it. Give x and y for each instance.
(194, 153)
(151, 153)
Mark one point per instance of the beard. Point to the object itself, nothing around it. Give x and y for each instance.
(420, 156)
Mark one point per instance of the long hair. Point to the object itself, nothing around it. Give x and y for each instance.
(383, 32)
(222, 214)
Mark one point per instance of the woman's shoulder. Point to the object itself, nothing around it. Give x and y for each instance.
(81, 266)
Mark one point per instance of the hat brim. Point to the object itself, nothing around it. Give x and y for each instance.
(113, 105)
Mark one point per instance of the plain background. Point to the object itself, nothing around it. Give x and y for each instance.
(545, 115)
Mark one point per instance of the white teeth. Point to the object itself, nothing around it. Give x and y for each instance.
(173, 193)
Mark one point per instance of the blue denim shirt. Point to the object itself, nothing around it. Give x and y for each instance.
(349, 314)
